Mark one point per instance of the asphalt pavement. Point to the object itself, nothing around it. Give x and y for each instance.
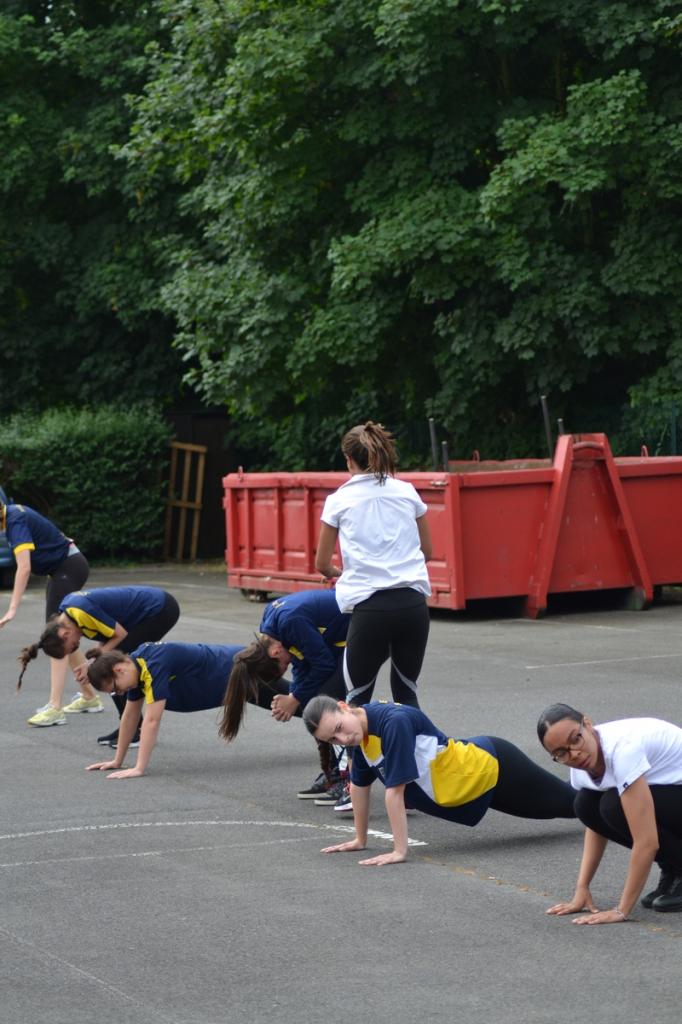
(198, 895)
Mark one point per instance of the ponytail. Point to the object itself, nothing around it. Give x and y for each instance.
(50, 642)
(251, 667)
(372, 448)
(27, 655)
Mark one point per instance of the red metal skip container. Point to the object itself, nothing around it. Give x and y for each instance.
(586, 521)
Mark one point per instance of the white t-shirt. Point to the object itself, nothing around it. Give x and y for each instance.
(378, 537)
(633, 747)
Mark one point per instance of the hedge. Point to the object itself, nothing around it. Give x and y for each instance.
(99, 474)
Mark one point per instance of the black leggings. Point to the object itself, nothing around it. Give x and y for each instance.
(334, 686)
(68, 576)
(390, 623)
(526, 790)
(602, 811)
(148, 631)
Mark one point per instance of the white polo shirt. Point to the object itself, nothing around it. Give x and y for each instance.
(378, 537)
(633, 747)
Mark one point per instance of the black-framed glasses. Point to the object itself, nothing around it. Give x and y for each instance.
(562, 754)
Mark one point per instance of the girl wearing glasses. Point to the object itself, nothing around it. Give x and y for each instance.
(455, 779)
(628, 775)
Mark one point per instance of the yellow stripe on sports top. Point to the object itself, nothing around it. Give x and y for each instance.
(28, 546)
(371, 748)
(146, 681)
(296, 653)
(461, 772)
(88, 624)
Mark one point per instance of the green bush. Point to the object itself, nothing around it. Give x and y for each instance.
(100, 475)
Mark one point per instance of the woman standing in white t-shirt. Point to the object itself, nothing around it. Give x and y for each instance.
(629, 777)
(380, 523)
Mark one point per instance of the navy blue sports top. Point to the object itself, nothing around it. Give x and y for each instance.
(447, 778)
(189, 677)
(313, 630)
(27, 530)
(96, 612)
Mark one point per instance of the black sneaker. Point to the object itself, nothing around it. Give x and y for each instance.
(671, 900)
(665, 881)
(135, 742)
(106, 741)
(333, 794)
(343, 805)
(318, 788)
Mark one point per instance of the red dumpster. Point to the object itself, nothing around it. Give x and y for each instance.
(527, 529)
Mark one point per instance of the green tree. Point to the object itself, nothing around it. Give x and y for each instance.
(398, 208)
(80, 271)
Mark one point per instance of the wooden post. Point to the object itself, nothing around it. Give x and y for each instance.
(194, 456)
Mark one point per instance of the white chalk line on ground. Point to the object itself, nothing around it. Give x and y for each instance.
(160, 853)
(603, 661)
(71, 829)
(148, 1012)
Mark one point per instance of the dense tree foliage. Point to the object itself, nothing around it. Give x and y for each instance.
(354, 208)
(79, 269)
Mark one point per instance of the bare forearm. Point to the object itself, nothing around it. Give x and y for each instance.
(114, 641)
(148, 736)
(126, 730)
(593, 851)
(325, 551)
(21, 578)
(641, 859)
(359, 796)
(395, 808)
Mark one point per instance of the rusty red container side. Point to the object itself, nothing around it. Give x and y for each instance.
(518, 529)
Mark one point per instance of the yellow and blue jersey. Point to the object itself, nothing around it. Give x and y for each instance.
(189, 677)
(97, 611)
(313, 629)
(444, 777)
(27, 530)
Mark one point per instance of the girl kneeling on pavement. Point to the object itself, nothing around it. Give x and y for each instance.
(628, 775)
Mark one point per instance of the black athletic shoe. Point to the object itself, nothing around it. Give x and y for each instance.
(106, 741)
(670, 901)
(330, 797)
(318, 788)
(665, 881)
(135, 742)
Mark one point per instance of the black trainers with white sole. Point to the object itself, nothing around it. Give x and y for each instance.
(135, 742)
(318, 788)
